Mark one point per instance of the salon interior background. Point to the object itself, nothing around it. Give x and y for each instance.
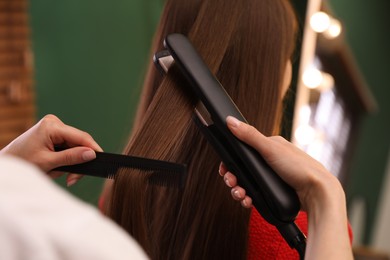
(90, 57)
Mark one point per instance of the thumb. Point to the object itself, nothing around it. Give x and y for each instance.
(248, 134)
(72, 156)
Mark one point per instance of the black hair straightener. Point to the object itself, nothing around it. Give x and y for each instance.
(107, 165)
(277, 202)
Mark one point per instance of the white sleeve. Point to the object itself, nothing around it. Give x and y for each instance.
(39, 220)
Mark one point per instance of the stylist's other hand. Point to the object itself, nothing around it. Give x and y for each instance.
(304, 174)
(37, 145)
(320, 193)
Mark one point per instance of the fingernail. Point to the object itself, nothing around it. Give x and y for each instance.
(232, 121)
(236, 194)
(88, 155)
(219, 169)
(71, 182)
(244, 203)
(227, 181)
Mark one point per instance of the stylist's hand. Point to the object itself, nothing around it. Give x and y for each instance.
(319, 192)
(303, 173)
(37, 146)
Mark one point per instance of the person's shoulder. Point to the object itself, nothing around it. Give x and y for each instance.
(10, 162)
(17, 174)
(35, 213)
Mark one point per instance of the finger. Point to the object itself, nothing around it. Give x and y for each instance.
(72, 178)
(55, 174)
(238, 193)
(248, 134)
(222, 169)
(74, 137)
(71, 156)
(246, 202)
(230, 179)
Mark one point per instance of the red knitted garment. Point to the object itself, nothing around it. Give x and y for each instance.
(265, 242)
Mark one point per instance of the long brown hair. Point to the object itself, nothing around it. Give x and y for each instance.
(246, 44)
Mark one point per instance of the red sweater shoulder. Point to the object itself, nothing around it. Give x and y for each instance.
(265, 241)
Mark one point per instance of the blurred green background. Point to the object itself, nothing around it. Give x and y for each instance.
(366, 25)
(90, 57)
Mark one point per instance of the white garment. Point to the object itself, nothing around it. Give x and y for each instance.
(39, 221)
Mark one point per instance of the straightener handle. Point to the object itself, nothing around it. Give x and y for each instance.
(280, 198)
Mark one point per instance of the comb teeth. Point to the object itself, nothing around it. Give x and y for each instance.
(167, 179)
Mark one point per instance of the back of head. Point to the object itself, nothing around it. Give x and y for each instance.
(246, 44)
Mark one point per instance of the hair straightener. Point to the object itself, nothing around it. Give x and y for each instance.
(107, 165)
(276, 201)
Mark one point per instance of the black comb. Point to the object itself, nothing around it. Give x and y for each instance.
(107, 165)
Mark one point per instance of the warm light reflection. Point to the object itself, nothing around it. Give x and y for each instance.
(320, 22)
(305, 135)
(334, 29)
(312, 78)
